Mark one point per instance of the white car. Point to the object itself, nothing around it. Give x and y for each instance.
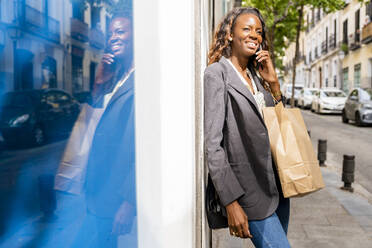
(287, 92)
(329, 101)
(306, 97)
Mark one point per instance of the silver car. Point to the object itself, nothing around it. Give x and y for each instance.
(306, 97)
(328, 101)
(358, 107)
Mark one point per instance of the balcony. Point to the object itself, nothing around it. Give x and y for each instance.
(354, 40)
(96, 38)
(332, 42)
(40, 24)
(324, 47)
(301, 58)
(367, 33)
(79, 30)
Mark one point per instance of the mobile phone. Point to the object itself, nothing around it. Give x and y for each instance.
(258, 64)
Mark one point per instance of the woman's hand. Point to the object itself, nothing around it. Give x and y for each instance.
(238, 221)
(106, 68)
(123, 219)
(267, 70)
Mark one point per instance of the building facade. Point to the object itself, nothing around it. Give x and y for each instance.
(357, 48)
(52, 44)
(334, 50)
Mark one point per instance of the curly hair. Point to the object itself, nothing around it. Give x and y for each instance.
(221, 45)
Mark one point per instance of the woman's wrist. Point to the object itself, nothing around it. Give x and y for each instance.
(275, 90)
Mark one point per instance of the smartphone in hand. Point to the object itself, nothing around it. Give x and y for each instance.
(258, 64)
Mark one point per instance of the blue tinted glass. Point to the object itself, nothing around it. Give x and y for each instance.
(67, 134)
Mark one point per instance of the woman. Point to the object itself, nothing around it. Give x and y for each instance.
(110, 171)
(236, 139)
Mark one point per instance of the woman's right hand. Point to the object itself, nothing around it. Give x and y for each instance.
(106, 68)
(238, 221)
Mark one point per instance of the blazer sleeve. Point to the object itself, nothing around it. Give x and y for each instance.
(223, 177)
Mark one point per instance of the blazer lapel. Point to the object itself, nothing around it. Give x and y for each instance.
(128, 85)
(267, 95)
(234, 81)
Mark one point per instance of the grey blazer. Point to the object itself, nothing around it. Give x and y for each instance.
(236, 142)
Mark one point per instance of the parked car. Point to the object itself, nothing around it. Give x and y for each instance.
(306, 97)
(33, 116)
(358, 107)
(287, 92)
(328, 101)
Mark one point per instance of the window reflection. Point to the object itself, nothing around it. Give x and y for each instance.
(67, 174)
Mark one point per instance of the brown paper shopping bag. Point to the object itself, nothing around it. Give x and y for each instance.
(293, 153)
(71, 171)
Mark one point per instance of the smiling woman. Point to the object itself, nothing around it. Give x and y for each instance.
(236, 139)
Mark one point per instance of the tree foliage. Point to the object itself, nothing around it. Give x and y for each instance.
(282, 17)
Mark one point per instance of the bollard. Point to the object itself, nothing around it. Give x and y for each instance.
(47, 196)
(309, 133)
(348, 168)
(322, 152)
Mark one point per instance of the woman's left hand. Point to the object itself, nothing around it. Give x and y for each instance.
(267, 72)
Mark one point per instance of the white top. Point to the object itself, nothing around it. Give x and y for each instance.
(108, 96)
(257, 95)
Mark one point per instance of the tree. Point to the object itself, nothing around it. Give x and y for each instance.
(285, 20)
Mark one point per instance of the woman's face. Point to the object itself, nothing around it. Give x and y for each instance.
(246, 35)
(120, 37)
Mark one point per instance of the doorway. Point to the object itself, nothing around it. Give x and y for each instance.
(24, 70)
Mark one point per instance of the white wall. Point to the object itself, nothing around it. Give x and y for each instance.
(165, 122)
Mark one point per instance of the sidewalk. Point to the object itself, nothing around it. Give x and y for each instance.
(325, 219)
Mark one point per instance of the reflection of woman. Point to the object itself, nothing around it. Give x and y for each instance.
(110, 171)
(236, 139)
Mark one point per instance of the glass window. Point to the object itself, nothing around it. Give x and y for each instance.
(366, 94)
(357, 68)
(354, 93)
(345, 81)
(333, 94)
(78, 188)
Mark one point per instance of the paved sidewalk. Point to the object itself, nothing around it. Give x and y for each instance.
(325, 219)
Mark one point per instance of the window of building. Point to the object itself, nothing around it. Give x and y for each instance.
(369, 9)
(307, 23)
(357, 68)
(357, 25)
(49, 73)
(345, 79)
(334, 73)
(312, 17)
(95, 16)
(335, 31)
(326, 75)
(344, 32)
(77, 74)
(78, 10)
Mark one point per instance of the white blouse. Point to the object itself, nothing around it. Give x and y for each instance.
(257, 95)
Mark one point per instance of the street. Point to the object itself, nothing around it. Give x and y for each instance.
(343, 139)
(21, 169)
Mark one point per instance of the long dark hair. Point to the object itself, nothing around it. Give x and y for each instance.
(221, 45)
